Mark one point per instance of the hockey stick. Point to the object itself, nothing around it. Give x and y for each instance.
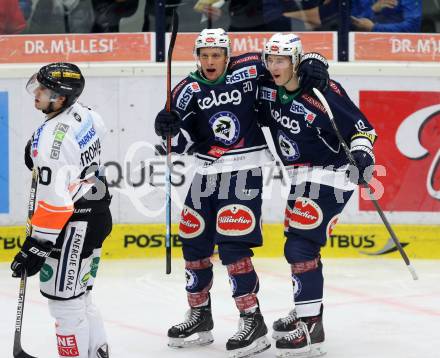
(168, 169)
(18, 351)
(365, 185)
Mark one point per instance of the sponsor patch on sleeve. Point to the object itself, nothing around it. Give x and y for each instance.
(186, 95)
(268, 94)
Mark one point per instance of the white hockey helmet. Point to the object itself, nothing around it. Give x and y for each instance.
(284, 45)
(213, 38)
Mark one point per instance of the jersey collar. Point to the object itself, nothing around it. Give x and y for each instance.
(286, 97)
(195, 75)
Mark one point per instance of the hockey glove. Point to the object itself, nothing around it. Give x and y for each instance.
(167, 123)
(313, 73)
(27, 156)
(31, 257)
(364, 159)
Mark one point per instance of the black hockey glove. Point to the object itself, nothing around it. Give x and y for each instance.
(31, 257)
(364, 159)
(313, 72)
(27, 155)
(167, 123)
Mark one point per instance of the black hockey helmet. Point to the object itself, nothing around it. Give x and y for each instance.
(62, 78)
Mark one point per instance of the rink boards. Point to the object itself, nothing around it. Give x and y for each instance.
(347, 241)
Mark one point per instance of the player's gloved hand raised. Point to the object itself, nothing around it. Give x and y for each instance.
(364, 158)
(167, 123)
(313, 73)
(31, 257)
(27, 156)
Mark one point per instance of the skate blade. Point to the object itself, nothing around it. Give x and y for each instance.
(203, 339)
(316, 350)
(258, 346)
(279, 334)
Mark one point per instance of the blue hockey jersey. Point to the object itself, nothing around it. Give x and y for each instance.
(303, 134)
(219, 124)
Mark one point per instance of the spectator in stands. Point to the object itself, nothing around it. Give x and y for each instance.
(316, 14)
(248, 15)
(108, 13)
(387, 15)
(26, 8)
(150, 13)
(11, 17)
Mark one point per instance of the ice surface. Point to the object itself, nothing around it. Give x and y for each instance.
(372, 308)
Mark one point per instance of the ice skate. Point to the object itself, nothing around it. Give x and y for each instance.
(250, 338)
(198, 322)
(283, 326)
(306, 341)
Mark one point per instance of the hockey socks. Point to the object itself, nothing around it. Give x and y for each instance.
(244, 284)
(198, 281)
(308, 283)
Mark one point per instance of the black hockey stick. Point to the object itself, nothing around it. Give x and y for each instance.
(168, 170)
(18, 351)
(365, 185)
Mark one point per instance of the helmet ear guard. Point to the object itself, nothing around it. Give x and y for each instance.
(284, 45)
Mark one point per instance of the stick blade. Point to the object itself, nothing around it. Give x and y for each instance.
(20, 353)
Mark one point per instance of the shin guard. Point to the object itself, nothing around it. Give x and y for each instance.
(244, 284)
(198, 281)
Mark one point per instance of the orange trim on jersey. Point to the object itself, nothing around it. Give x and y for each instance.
(51, 217)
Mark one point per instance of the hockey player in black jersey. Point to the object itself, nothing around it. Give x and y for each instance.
(213, 116)
(309, 149)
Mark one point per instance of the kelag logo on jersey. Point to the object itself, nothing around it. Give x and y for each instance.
(186, 95)
(4, 153)
(225, 126)
(242, 74)
(289, 148)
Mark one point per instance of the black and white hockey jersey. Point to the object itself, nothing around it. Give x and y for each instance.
(219, 124)
(66, 150)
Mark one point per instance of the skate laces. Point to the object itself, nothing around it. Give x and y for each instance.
(244, 327)
(301, 329)
(191, 318)
(291, 317)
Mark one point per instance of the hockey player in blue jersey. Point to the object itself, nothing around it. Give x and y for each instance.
(309, 149)
(213, 116)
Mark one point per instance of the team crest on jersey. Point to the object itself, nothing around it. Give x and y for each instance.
(298, 108)
(235, 220)
(289, 149)
(242, 74)
(305, 214)
(191, 223)
(268, 94)
(225, 126)
(186, 95)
